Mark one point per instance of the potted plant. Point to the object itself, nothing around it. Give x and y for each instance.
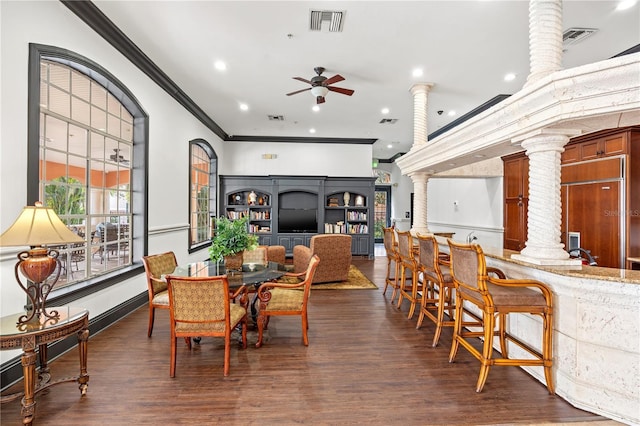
(231, 238)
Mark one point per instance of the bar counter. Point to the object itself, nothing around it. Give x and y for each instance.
(596, 340)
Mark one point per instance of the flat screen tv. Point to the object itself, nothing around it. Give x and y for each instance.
(298, 220)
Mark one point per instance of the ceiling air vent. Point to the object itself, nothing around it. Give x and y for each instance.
(388, 121)
(330, 20)
(276, 118)
(575, 35)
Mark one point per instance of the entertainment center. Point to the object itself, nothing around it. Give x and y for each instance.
(289, 210)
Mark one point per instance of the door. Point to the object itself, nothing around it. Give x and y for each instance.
(381, 211)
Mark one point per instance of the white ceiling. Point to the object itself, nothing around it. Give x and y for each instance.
(464, 47)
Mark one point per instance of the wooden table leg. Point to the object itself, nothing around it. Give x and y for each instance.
(83, 378)
(29, 372)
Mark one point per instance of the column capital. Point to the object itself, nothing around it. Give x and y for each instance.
(421, 88)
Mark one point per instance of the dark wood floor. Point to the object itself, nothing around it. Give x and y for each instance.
(366, 363)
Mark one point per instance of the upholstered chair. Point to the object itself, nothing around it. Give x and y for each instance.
(438, 286)
(201, 306)
(257, 255)
(393, 257)
(334, 251)
(497, 298)
(155, 266)
(410, 286)
(276, 254)
(286, 298)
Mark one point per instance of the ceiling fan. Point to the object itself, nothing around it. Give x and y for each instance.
(118, 158)
(321, 85)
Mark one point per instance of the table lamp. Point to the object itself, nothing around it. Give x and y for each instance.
(35, 227)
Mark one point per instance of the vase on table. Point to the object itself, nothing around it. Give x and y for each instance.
(233, 262)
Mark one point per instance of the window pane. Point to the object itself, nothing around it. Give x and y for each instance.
(84, 176)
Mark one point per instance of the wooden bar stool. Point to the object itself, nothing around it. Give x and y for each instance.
(496, 298)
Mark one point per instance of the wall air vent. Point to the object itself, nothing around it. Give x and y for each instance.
(327, 20)
(276, 117)
(576, 35)
(388, 121)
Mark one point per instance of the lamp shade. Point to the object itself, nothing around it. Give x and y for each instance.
(36, 226)
(319, 91)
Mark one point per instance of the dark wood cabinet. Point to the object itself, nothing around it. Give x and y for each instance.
(516, 200)
(600, 195)
(310, 204)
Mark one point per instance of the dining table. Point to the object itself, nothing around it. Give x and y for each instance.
(252, 275)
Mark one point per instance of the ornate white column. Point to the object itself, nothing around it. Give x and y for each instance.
(545, 38)
(419, 92)
(543, 246)
(420, 180)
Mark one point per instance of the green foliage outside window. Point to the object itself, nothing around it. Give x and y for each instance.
(65, 198)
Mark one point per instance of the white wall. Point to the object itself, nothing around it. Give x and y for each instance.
(171, 127)
(245, 158)
(465, 205)
(478, 208)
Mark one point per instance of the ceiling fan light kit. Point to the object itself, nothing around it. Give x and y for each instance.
(321, 85)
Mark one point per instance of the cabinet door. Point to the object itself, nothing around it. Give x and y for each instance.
(593, 210)
(360, 244)
(515, 219)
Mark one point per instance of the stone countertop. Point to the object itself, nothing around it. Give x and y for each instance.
(580, 271)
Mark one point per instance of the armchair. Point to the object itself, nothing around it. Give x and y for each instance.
(155, 266)
(201, 306)
(282, 298)
(334, 251)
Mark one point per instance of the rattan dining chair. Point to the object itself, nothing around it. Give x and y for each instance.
(201, 306)
(155, 266)
(497, 298)
(287, 298)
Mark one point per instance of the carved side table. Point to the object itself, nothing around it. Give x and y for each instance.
(37, 334)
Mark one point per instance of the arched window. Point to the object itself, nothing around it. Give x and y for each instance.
(202, 191)
(87, 156)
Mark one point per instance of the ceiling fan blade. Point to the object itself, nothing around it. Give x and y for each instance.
(298, 91)
(336, 78)
(320, 99)
(302, 80)
(347, 92)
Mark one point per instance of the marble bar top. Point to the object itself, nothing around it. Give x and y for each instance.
(580, 271)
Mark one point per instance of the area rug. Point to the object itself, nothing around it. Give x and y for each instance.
(356, 280)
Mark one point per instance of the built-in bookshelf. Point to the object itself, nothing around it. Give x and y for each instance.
(290, 210)
(342, 217)
(252, 203)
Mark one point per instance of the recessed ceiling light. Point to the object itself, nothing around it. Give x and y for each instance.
(452, 164)
(220, 65)
(390, 146)
(626, 4)
(385, 110)
(510, 77)
(315, 108)
(244, 107)
(417, 72)
(479, 155)
(451, 113)
(312, 130)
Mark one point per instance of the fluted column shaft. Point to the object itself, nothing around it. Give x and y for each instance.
(420, 92)
(545, 205)
(419, 213)
(545, 38)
